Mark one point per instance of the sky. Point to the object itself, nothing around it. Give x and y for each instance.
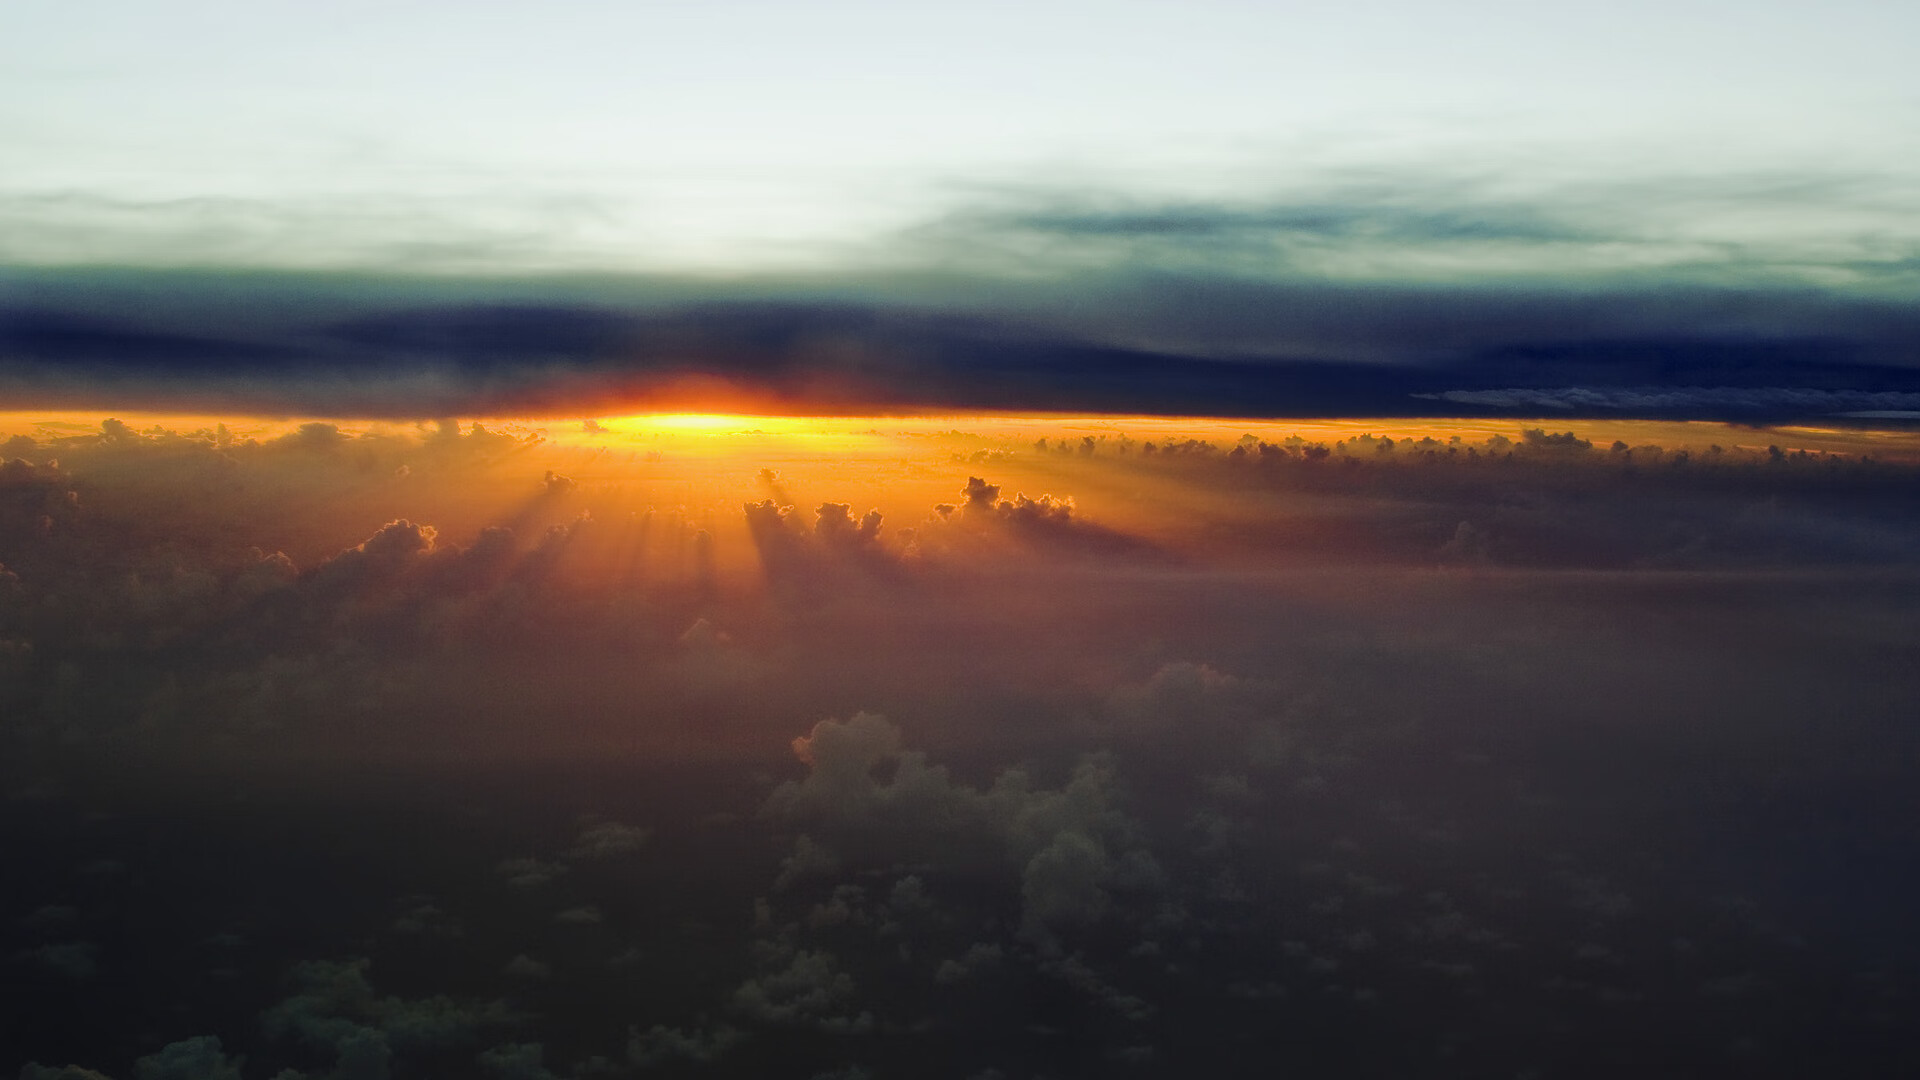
(847, 541)
(1353, 205)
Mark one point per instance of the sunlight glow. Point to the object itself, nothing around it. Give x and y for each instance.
(733, 435)
(703, 423)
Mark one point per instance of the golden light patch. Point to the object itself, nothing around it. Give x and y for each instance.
(693, 423)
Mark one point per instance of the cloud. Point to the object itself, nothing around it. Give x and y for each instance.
(1190, 701)
(1064, 884)
(394, 543)
(426, 918)
(807, 859)
(1394, 305)
(75, 961)
(335, 231)
(516, 1061)
(608, 839)
(36, 1071)
(1076, 973)
(1752, 403)
(528, 873)
(336, 1011)
(1382, 226)
(1169, 723)
(1043, 523)
(847, 906)
(198, 1058)
(980, 957)
(840, 551)
(1068, 848)
(808, 990)
(523, 966)
(836, 527)
(1210, 222)
(659, 1044)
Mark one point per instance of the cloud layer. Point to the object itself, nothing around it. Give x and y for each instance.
(1064, 748)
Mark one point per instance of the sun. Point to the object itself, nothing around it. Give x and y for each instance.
(702, 423)
(724, 424)
(689, 423)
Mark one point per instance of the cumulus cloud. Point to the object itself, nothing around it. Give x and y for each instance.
(1075, 972)
(426, 918)
(1467, 545)
(836, 527)
(807, 859)
(1064, 884)
(660, 1044)
(982, 498)
(1184, 695)
(803, 988)
(391, 551)
(1203, 716)
(1070, 847)
(198, 1058)
(1043, 523)
(525, 873)
(516, 1061)
(336, 1012)
(980, 956)
(36, 1071)
(608, 839)
(838, 551)
(523, 966)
